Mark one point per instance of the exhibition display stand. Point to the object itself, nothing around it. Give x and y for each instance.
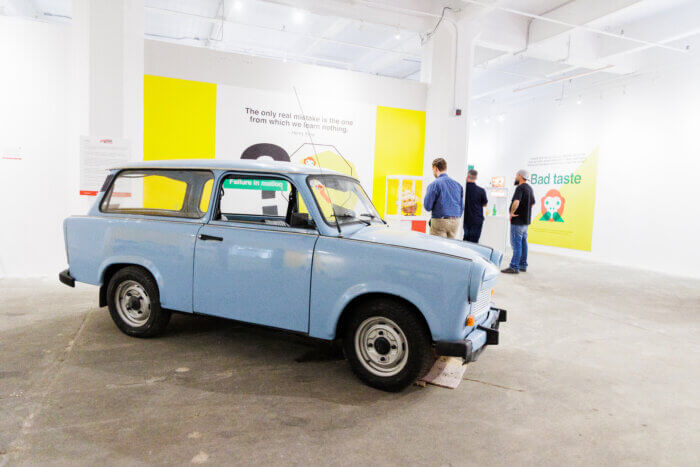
(496, 222)
(405, 217)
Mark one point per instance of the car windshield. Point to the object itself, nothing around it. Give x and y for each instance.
(342, 200)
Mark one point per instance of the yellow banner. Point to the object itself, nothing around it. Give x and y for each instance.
(564, 204)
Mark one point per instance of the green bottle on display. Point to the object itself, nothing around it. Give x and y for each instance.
(494, 210)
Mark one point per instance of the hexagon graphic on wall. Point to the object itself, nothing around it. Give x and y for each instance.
(327, 157)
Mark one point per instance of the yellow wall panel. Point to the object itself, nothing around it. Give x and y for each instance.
(179, 119)
(179, 122)
(398, 150)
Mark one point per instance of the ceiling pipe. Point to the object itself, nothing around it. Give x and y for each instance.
(534, 83)
(574, 26)
(563, 78)
(441, 17)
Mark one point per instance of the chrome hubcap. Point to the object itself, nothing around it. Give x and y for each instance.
(381, 346)
(133, 303)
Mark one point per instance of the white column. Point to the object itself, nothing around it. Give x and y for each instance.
(448, 72)
(107, 53)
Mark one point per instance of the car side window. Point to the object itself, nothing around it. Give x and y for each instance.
(266, 200)
(159, 192)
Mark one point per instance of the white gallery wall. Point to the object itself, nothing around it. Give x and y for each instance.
(649, 137)
(35, 162)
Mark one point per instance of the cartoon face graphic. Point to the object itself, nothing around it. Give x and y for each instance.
(552, 206)
(309, 161)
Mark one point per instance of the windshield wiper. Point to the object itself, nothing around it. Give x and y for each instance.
(372, 216)
(350, 216)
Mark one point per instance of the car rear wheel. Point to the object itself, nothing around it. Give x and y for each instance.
(134, 303)
(387, 345)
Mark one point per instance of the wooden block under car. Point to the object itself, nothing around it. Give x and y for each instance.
(447, 372)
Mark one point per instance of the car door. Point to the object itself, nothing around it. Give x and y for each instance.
(249, 264)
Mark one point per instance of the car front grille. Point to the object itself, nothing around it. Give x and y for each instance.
(480, 308)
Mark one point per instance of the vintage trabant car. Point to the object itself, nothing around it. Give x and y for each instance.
(286, 246)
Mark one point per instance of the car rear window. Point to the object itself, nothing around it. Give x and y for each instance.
(171, 193)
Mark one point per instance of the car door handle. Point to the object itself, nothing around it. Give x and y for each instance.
(209, 237)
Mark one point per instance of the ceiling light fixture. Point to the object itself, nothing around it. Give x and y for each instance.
(298, 16)
(237, 5)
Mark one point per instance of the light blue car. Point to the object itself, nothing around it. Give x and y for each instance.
(286, 246)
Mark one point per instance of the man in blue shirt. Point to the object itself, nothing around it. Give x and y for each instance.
(443, 199)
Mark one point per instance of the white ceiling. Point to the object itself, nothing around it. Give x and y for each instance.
(590, 43)
(619, 40)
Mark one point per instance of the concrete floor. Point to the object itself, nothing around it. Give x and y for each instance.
(597, 365)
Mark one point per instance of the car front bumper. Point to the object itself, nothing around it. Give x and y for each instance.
(484, 334)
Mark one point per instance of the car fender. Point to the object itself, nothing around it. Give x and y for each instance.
(131, 260)
(384, 288)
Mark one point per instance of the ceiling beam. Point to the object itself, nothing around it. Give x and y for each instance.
(330, 32)
(588, 11)
(267, 28)
(406, 14)
(217, 29)
(379, 61)
(24, 8)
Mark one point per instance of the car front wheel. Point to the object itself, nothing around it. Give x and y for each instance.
(387, 345)
(134, 303)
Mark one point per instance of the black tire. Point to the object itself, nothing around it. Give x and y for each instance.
(134, 321)
(367, 320)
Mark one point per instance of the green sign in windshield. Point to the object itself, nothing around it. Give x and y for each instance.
(256, 184)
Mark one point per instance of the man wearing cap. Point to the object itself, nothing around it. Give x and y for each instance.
(443, 198)
(520, 216)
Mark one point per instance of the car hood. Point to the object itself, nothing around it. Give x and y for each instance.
(486, 257)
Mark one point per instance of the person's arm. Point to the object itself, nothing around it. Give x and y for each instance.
(484, 198)
(517, 196)
(513, 207)
(429, 200)
(462, 200)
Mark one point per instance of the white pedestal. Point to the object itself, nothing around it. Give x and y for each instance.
(495, 232)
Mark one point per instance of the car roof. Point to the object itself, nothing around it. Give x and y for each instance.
(248, 165)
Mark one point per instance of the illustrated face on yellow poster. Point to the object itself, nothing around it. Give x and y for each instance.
(565, 188)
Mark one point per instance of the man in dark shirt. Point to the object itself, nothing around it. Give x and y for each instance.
(520, 216)
(474, 202)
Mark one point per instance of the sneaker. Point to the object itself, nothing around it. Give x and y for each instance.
(523, 269)
(509, 271)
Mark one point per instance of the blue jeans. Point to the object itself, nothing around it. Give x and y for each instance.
(518, 240)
